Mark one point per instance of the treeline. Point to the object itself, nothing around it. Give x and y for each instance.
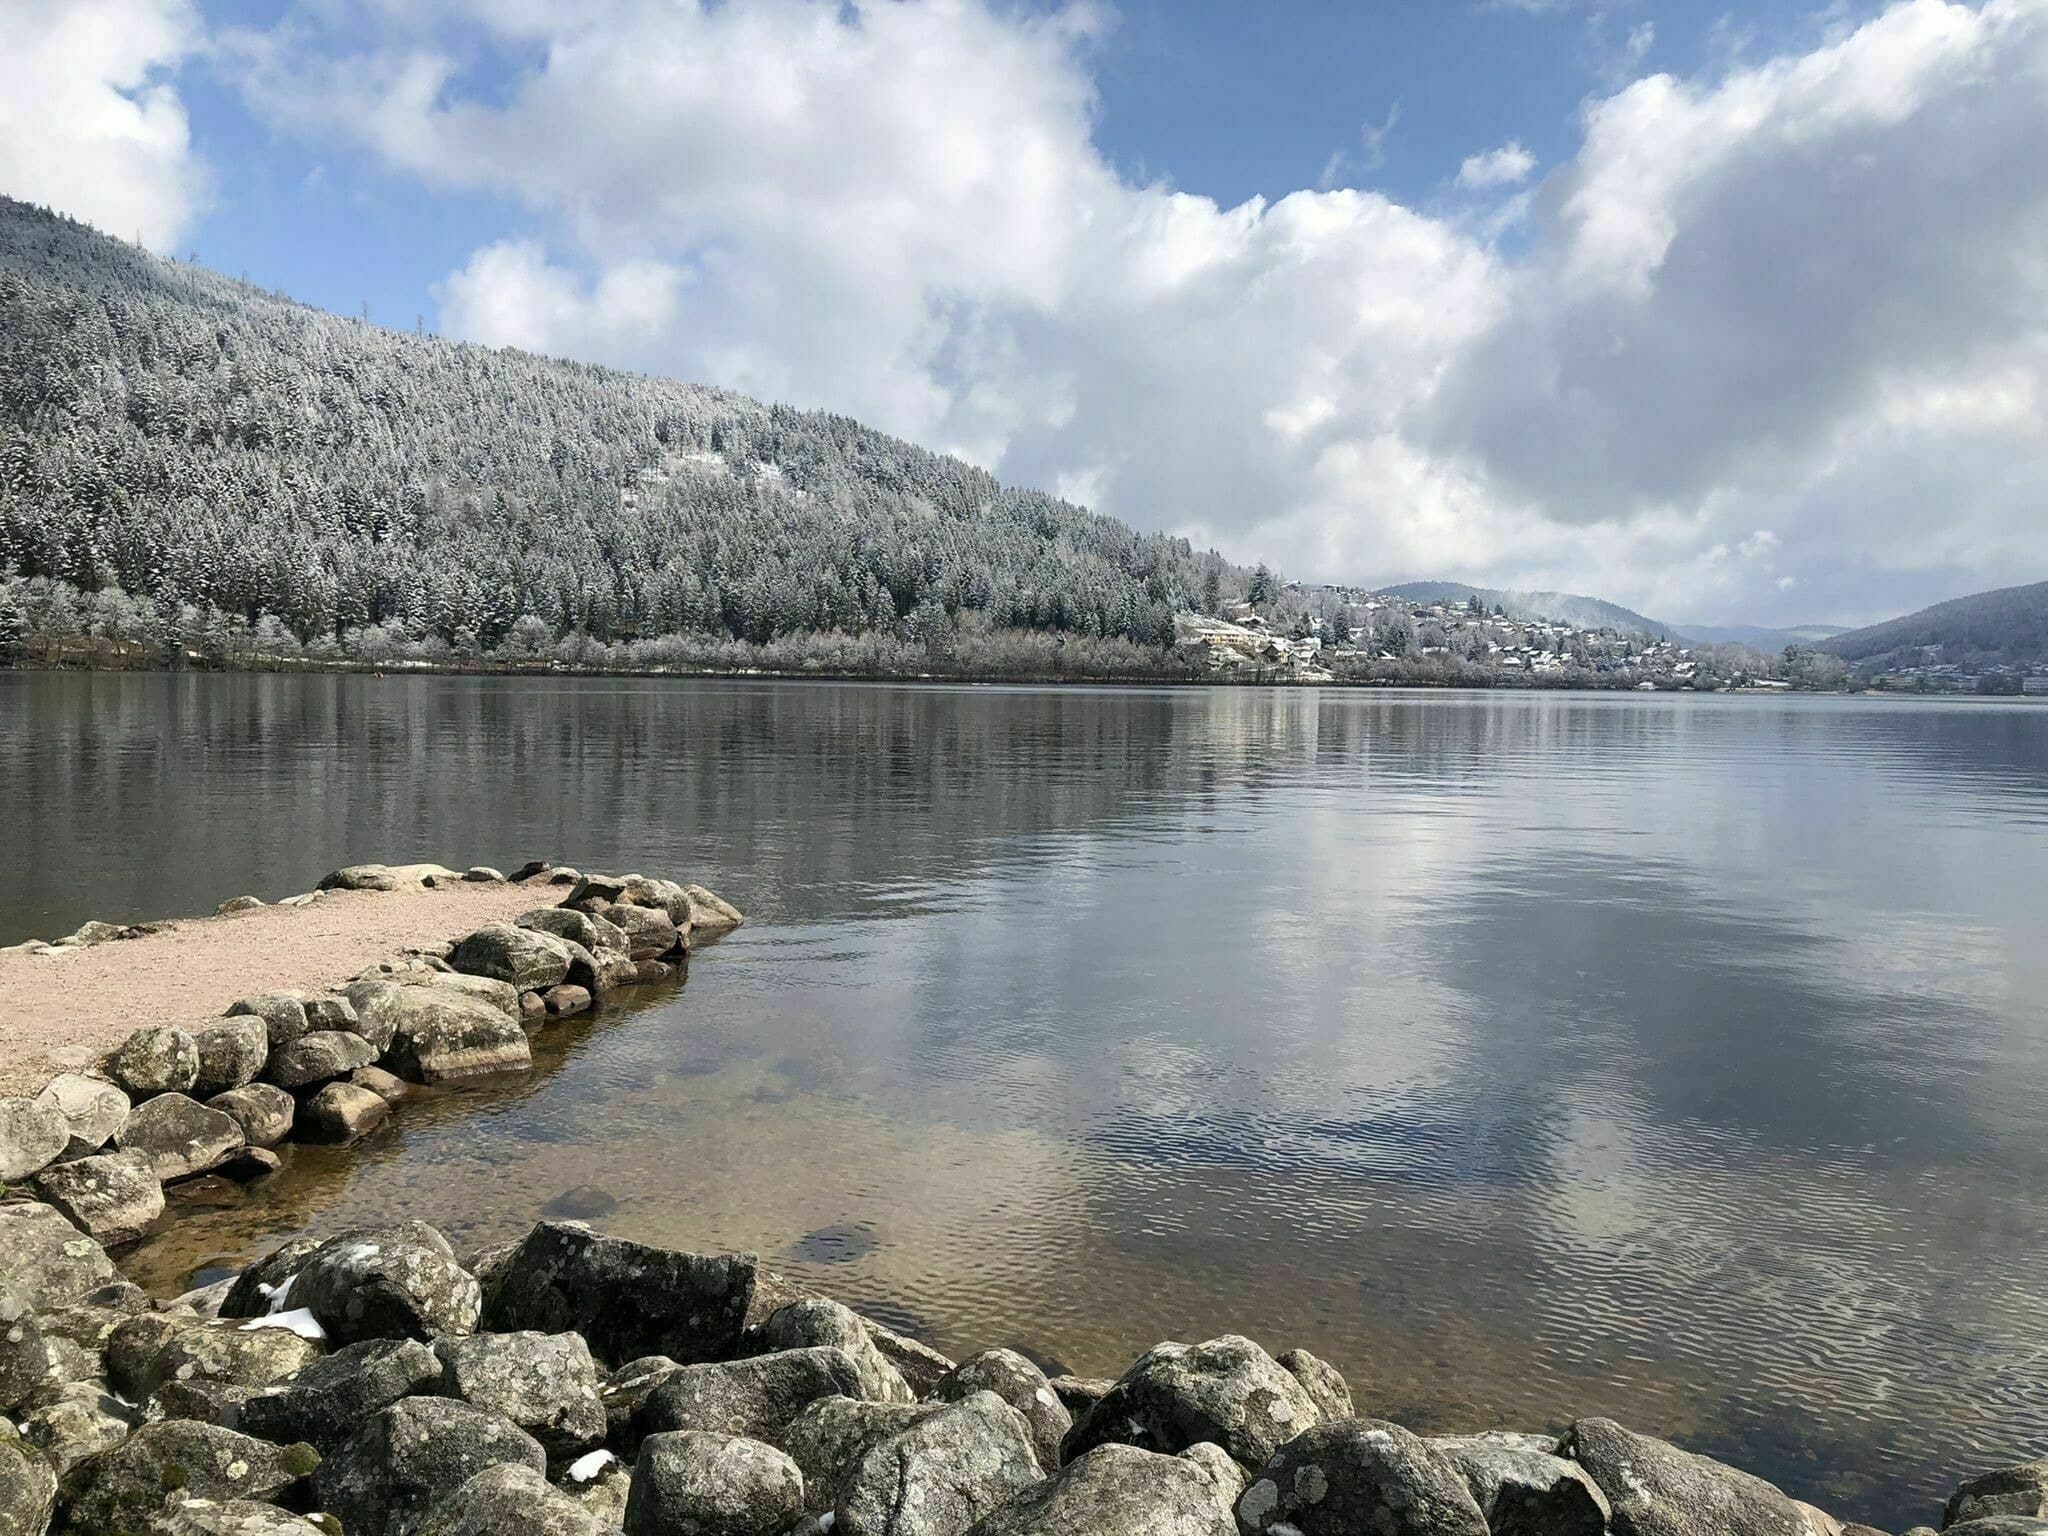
(195, 446)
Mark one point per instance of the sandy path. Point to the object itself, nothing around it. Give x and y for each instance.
(61, 1014)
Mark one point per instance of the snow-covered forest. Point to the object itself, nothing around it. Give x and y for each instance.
(189, 464)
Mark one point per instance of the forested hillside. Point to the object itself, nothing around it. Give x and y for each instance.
(2008, 625)
(183, 445)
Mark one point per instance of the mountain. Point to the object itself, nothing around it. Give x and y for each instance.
(1763, 639)
(1561, 607)
(178, 443)
(2008, 625)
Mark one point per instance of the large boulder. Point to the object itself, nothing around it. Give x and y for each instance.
(330, 1398)
(526, 958)
(319, 1056)
(264, 1111)
(650, 934)
(443, 1036)
(117, 1492)
(814, 1322)
(33, 1135)
(93, 1110)
(828, 1439)
(283, 1014)
(28, 1486)
(113, 1197)
(596, 934)
(406, 1458)
(24, 1357)
(546, 1383)
(1523, 1488)
(501, 995)
(1227, 1390)
(710, 914)
(232, 1352)
(756, 1397)
(1359, 1475)
(2018, 1490)
(1020, 1384)
(360, 877)
(231, 1053)
(341, 1113)
(627, 1299)
(1655, 1489)
(386, 1283)
(1322, 1381)
(1119, 1490)
(77, 1420)
(937, 1477)
(179, 1137)
(706, 1484)
(264, 1287)
(51, 1258)
(510, 1499)
(232, 1517)
(156, 1060)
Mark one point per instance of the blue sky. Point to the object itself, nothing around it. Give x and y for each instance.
(1730, 311)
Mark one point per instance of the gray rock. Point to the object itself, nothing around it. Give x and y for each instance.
(378, 1004)
(828, 1439)
(179, 1137)
(1119, 1490)
(330, 1398)
(319, 1056)
(119, 1490)
(526, 958)
(1359, 1475)
(546, 1383)
(93, 1109)
(1996, 1525)
(563, 1001)
(756, 1397)
(708, 1484)
(919, 1364)
(78, 1420)
(1655, 1489)
(360, 877)
(28, 1486)
(233, 1517)
(1523, 1489)
(264, 1112)
(711, 915)
(625, 1390)
(206, 1402)
(1230, 1479)
(341, 1113)
(627, 1299)
(443, 1036)
(150, 1349)
(594, 933)
(387, 1283)
(650, 934)
(939, 1476)
(327, 1012)
(24, 1358)
(33, 1135)
(389, 1087)
(501, 995)
(1080, 1393)
(510, 1500)
(155, 1060)
(51, 1258)
(236, 904)
(483, 874)
(283, 1015)
(84, 1326)
(1020, 1384)
(602, 1486)
(529, 870)
(533, 1009)
(1323, 1382)
(2016, 1490)
(1227, 1390)
(409, 1456)
(113, 1197)
(231, 1053)
(814, 1322)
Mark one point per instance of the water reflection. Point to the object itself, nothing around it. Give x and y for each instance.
(1672, 1058)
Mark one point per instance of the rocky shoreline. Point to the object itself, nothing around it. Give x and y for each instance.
(570, 1383)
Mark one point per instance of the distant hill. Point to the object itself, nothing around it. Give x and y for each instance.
(2008, 625)
(1563, 607)
(1762, 638)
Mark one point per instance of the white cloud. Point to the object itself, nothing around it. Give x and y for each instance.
(1507, 166)
(88, 123)
(1805, 294)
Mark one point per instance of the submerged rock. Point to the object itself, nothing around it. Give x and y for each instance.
(1119, 1490)
(1655, 1489)
(179, 1137)
(386, 1282)
(545, 1383)
(709, 1484)
(155, 1060)
(757, 1397)
(937, 1477)
(409, 1456)
(1359, 1475)
(1227, 1390)
(94, 1110)
(114, 1197)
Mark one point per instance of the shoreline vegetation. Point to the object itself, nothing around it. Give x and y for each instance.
(374, 1382)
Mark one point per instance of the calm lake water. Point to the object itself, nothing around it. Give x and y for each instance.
(1676, 1058)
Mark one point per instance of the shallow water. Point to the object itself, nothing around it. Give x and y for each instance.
(1675, 1058)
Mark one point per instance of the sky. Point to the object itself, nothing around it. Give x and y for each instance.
(1732, 312)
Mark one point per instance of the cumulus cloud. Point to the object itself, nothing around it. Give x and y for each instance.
(89, 124)
(1804, 294)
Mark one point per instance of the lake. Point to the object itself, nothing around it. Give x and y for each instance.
(1676, 1058)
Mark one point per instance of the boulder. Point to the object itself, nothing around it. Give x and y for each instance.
(1359, 1475)
(319, 1056)
(1993, 1525)
(1227, 1390)
(1322, 1381)
(231, 1053)
(264, 1287)
(33, 1135)
(24, 1358)
(155, 1060)
(330, 1398)
(341, 1113)
(113, 1197)
(483, 874)
(233, 1352)
(757, 1397)
(501, 995)
(602, 1484)
(627, 1299)
(441, 1036)
(49, 1257)
(119, 1490)
(236, 904)
(510, 1500)
(93, 1109)
(386, 1283)
(378, 1004)
(596, 934)
(650, 934)
(814, 1322)
(1655, 1489)
(389, 1087)
(205, 1402)
(1080, 1393)
(939, 1476)
(525, 958)
(28, 1486)
(919, 1364)
(565, 1000)
(360, 877)
(2017, 1490)
(1119, 1490)
(328, 1012)
(283, 1015)
(529, 870)
(233, 1517)
(264, 1112)
(406, 1458)
(828, 1439)
(179, 1137)
(711, 915)
(533, 1008)
(712, 1485)
(1524, 1489)
(77, 1420)
(648, 972)
(1020, 1384)
(546, 1383)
